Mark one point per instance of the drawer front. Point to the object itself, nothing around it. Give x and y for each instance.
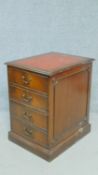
(28, 132)
(28, 79)
(26, 114)
(29, 98)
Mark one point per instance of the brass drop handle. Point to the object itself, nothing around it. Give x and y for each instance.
(26, 98)
(26, 81)
(28, 131)
(27, 116)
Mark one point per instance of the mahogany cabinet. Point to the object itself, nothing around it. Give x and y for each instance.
(49, 97)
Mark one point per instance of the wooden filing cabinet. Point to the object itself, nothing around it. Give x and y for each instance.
(49, 97)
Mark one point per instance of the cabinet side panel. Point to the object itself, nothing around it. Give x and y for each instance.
(71, 94)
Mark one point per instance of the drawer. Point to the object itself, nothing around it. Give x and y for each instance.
(28, 79)
(24, 113)
(29, 98)
(28, 132)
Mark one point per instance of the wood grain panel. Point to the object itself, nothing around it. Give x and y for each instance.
(28, 79)
(28, 115)
(28, 132)
(70, 102)
(28, 97)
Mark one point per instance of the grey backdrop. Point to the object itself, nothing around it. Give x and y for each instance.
(30, 27)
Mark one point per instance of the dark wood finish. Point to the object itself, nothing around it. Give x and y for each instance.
(73, 109)
(36, 118)
(29, 132)
(28, 97)
(28, 79)
(49, 102)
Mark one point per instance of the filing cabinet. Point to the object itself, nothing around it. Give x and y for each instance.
(49, 97)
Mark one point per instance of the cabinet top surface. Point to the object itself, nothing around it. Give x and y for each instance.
(50, 63)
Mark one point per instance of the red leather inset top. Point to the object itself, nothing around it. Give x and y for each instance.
(50, 62)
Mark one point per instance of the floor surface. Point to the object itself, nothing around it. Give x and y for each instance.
(80, 159)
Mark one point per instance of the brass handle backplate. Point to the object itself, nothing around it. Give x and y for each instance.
(27, 115)
(28, 132)
(26, 80)
(26, 98)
